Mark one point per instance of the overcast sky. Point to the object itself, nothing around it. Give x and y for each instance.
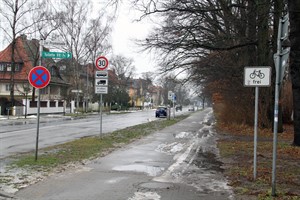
(125, 31)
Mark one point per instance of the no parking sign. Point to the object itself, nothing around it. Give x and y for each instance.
(39, 77)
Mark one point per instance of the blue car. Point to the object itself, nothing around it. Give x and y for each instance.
(161, 111)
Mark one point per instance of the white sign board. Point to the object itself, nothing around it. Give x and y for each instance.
(257, 76)
(76, 91)
(54, 43)
(101, 89)
(101, 74)
(170, 95)
(101, 82)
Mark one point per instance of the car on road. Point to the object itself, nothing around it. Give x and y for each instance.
(191, 108)
(178, 107)
(161, 111)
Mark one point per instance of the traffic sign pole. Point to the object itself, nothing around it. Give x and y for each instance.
(259, 76)
(282, 34)
(101, 64)
(39, 77)
(100, 115)
(38, 108)
(255, 133)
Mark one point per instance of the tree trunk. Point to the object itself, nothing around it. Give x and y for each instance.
(294, 15)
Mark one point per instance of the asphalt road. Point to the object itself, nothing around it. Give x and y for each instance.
(18, 136)
(176, 163)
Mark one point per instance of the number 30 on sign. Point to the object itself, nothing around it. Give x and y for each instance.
(101, 63)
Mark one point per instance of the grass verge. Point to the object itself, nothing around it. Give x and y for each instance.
(236, 150)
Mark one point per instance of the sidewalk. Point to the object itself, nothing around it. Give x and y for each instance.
(15, 120)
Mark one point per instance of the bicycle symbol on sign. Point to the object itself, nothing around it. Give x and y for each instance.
(257, 73)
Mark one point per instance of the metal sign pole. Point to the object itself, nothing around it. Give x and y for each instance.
(275, 131)
(258, 76)
(37, 126)
(173, 106)
(282, 34)
(100, 115)
(255, 133)
(38, 107)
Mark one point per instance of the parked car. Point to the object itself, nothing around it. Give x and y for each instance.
(178, 107)
(161, 111)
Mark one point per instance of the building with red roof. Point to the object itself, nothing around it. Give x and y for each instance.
(26, 56)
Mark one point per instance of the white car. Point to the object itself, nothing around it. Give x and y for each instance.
(191, 108)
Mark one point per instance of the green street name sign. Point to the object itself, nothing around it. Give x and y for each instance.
(46, 54)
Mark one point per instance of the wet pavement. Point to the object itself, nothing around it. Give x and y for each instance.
(176, 163)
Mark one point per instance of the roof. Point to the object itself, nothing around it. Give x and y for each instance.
(27, 56)
(21, 57)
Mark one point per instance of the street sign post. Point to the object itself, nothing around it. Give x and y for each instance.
(62, 55)
(101, 82)
(281, 61)
(39, 77)
(259, 76)
(101, 63)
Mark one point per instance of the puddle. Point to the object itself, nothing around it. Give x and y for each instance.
(149, 170)
(157, 185)
(116, 180)
(207, 160)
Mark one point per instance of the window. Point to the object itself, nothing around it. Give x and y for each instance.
(2, 67)
(17, 67)
(52, 71)
(33, 104)
(44, 90)
(52, 104)
(43, 104)
(7, 87)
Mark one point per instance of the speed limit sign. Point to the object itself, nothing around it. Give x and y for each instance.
(101, 63)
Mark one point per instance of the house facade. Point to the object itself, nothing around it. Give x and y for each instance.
(26, 56)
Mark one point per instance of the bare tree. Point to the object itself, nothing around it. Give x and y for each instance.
(74, 32)
(97, 43)
(17, 15)
(98, 37)
(294, 12)
(213, 41)
(123, 67)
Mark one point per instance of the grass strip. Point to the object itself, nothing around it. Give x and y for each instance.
(236, 150)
